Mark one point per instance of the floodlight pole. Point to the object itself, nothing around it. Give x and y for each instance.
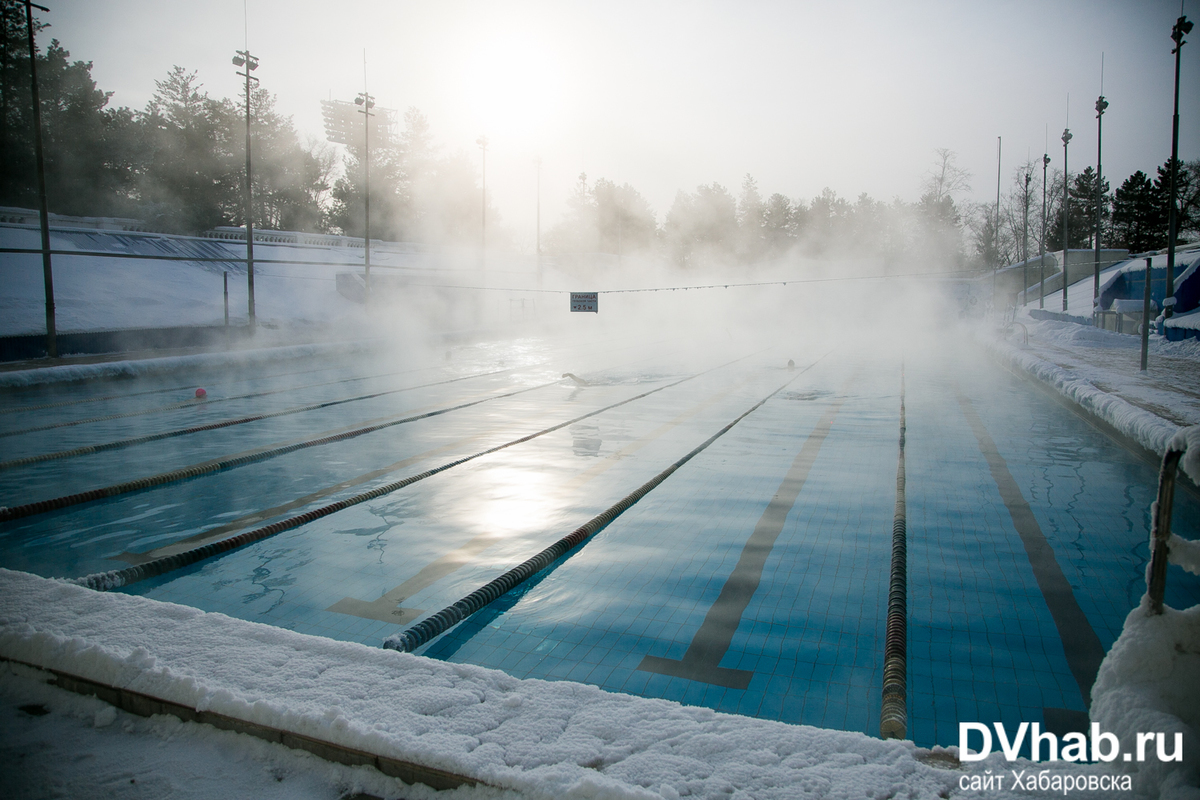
(482, 141)
(1066, 140)
(43, 210)
(242, 58)
(1025, 241)
(1182, 28)
(1101, 104)
(1042, 259)
(367, 102)
(538, 224)
(996, 230)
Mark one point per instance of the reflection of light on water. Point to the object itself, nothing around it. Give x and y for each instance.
(509, 499)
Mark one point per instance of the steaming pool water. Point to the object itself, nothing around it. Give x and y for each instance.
(754, 580)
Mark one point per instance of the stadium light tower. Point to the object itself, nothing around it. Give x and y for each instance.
(366, 102)
(482, 141)
(1066, 139)
(1101, 104)
(43, 210)
(1042, 259)
(242, 58)
(1182, 28)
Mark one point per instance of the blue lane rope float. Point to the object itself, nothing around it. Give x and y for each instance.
(114, 579)
(437, 624)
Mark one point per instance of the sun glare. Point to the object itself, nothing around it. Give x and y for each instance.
(512, 86)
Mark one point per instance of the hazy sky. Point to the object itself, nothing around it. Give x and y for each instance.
(668, 95)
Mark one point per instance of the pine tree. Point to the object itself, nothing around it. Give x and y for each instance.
(1138, 222)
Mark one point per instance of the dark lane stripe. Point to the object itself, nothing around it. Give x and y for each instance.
(702, 660)
(1080, 643)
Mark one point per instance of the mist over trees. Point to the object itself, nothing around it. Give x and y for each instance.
(179, 165)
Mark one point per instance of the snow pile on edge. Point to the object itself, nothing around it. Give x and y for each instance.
(541, 738)
(1147, 429)
(1147, 683)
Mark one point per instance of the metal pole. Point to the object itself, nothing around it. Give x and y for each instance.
(43, 210)
(1042, 259)
(367, 102)
(1025, 241)
(483, 143)
(243, 58)
(1182, 27)
(538, 234)
(996, 231)
(1146, 317)
(1066, 139)
(1101, 104)
(225, 276)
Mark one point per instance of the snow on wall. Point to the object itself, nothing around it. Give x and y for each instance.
(1145, 428)
(543, 739)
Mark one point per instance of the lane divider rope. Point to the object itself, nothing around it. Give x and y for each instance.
(893, 717)
(218, 465)
(196, 403)
(409, 640)
(113, 579)
(212, 426)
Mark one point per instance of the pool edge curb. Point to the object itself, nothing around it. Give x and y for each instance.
(146, 705)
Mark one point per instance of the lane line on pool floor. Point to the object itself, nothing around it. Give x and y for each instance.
(1081, 645)
(387, 607)
(701, 661)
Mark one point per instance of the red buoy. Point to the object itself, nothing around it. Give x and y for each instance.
(201, 394)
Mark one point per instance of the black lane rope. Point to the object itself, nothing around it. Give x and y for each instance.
(212, 426)
(114, 579)
(893, 717)
(218, 465)
(196, 403)
(101, 398)
(437, 624)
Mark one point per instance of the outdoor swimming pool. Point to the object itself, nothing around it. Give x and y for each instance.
(753, 580)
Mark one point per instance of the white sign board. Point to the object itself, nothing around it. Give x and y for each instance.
(585, 301)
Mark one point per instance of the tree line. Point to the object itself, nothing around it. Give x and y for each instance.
(179, 165)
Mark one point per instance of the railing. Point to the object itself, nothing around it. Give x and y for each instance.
(1160, 521)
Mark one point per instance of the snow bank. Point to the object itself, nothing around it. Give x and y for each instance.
(543, 739)
(1147, 683)
(154, 366)
(1147, 429)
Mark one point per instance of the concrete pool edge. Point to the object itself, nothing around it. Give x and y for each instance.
(146, 705)
(201, 663)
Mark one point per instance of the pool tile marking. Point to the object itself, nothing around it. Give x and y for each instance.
(701, 661)
(1080, 643)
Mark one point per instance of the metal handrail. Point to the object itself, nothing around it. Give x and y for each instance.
(1160, 523)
